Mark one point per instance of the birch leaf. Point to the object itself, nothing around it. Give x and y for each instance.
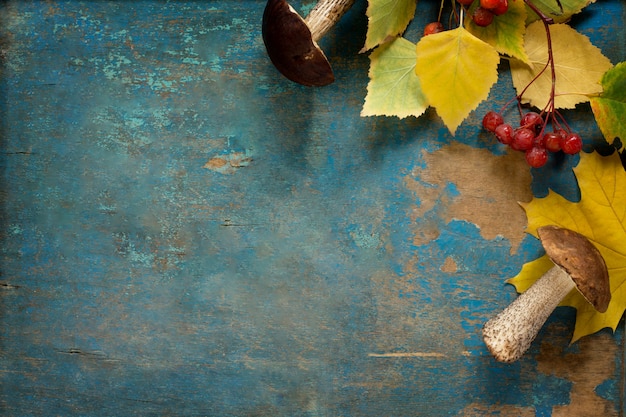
(600, 215)
(456, 70)
(394, 89)
(386, 19)
(506, 32)
(609, 108)
(551, 9)
(579, 66)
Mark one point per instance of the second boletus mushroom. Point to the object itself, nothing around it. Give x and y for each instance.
(577, 264)
(291, 41)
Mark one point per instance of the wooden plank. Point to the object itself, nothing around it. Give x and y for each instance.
(186, 233)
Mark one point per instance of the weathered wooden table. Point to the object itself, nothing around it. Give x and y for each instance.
(184, 232)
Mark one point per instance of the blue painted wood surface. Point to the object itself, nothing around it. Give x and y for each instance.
(184, 232)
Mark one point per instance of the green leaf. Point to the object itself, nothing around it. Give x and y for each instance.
(551, 9)
(609, 108)
(456, 70)
(506, 32)
(387, 19)
(579, 66)
(394, 89)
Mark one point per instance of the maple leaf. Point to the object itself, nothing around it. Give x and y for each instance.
(456, 71)
(505, 33)
(600, 215)
(387, 19)
(394, 89)
(609, 108)
(579, 67)
(560, 11)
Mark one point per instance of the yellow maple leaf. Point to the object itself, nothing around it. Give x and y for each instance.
(456, 71)
(600, 215)
(579, 66)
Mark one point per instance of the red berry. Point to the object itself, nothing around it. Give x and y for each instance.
(482, 17)
(492, 120)
(572, 144)
(523, 139)
(489, 4)
(432, 28)
(504, 133)
(502, 8)
(562, 133)
(465, 2)
(536, 157)
(532, 121)
(539, 141)
(551, 141)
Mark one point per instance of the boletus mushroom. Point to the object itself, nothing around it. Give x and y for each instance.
(577, 264)
(291, 41)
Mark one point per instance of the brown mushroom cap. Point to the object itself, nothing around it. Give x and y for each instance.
(581, 260)
(291, 48)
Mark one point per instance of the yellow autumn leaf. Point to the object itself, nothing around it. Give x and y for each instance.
(456, 71)
(609, 108)
(579, 66)
(600, 215)
(394, 89)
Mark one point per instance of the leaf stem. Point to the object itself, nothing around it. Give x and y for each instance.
(550, 107)
(545, 18)
(440, 10)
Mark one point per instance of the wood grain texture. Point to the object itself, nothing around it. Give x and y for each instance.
(186, 233)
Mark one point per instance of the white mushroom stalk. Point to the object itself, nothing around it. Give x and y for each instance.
(578, 264)
(325, 15)
(509, 335)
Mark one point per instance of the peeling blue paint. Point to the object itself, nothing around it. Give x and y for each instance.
(138, 281)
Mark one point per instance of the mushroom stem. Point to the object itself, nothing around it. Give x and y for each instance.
(324, 16)
(510, 333)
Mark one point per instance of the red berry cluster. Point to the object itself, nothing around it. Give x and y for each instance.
(530, 137)
(483, 15)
